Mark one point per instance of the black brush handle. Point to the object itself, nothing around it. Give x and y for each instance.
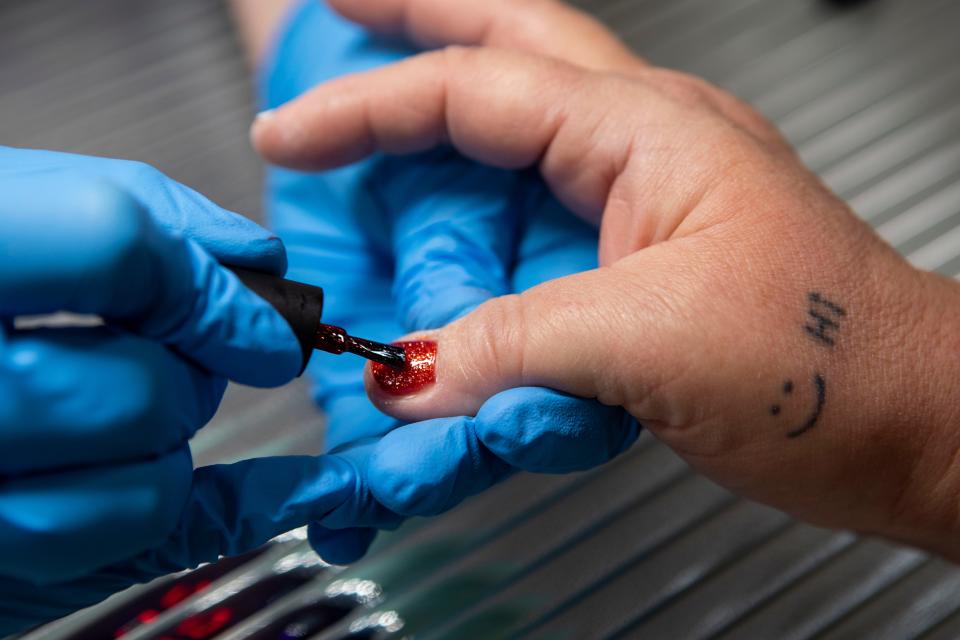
(300, 304)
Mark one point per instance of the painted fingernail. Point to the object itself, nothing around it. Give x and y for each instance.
(419, 371)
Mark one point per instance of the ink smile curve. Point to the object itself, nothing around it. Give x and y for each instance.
(821, 389)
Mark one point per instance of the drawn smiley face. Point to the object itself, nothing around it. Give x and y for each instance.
(820, 395)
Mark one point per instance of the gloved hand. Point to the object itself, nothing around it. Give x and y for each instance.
(97, 489)
(416, 242)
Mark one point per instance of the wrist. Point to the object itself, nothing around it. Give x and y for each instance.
(923, 419)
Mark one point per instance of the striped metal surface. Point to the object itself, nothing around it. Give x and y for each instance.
(870, 94)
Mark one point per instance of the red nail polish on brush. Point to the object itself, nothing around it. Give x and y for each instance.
(301, 306)
(419, 370)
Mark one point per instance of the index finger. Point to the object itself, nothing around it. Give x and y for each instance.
(175, 207)
(89, 247)
(506, 109)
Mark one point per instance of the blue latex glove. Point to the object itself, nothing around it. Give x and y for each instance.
(423, 240)
(97, 489)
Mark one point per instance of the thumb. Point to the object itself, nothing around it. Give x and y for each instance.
(723, 361)
(584, 334)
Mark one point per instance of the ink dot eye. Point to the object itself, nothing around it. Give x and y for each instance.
(775, 410)
(788, 387)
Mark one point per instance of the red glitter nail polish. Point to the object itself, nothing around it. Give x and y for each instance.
(419, 371)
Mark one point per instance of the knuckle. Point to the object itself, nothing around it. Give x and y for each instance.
(457, 57)
(391, 481)
(532, 447)
(682, 87)
(511, 427)
(144, 395)
(138, 172)
(533, 18)
(166, 397)
(22, 362)
(495, 341)
(118, 224)
(162, 502)
(23, 358)
(742, 120)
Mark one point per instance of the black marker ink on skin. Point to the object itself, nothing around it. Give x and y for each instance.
(787, 390)
(823, 325)
(825, 316)
(820, 386)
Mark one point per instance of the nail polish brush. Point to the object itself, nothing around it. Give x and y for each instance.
(301, 305)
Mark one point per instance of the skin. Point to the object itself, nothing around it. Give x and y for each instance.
(257, 21)
(713, 236)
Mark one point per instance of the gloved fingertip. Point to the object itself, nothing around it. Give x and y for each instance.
(546, 431)
(234, 508)
(229, 236)
(265, 253)
(234, 332)
(404, 480)
(350, 417)
(278, 353)
(425, 312)
(407, 482)
(340, 546)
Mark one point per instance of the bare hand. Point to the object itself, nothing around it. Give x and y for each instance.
(741, 312)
